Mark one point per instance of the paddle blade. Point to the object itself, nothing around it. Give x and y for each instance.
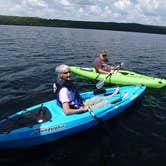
(100, 84)
(121, 64)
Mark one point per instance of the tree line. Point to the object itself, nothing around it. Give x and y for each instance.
(35, 21)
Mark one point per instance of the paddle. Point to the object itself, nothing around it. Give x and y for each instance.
(100, 121)
(54, 87)
(100, 84)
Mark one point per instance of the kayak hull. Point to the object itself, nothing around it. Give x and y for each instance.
(26, 128)
(122, 77)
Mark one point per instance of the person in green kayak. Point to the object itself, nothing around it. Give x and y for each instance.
(102, 65)
(66, 93)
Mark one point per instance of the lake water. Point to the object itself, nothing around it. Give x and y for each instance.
(28, 56)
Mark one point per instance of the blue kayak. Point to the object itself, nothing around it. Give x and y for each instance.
(46, 122)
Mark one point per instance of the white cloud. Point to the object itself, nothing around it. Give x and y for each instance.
(123, 4)
(108, 11)
(151, 11)
(94, 9)
(65, 2)
(153, 7)
(34, 3)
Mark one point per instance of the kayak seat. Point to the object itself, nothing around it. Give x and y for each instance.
(160, 82)
(102, 91)
(27, 119)
(126, 73)
(99, 91)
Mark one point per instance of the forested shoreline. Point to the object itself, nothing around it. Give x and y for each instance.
(35, 21)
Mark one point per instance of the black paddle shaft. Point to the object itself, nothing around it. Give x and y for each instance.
(101, 122)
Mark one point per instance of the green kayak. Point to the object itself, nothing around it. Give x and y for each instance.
(122, 77)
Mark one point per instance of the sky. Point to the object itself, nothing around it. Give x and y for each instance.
(149, 12)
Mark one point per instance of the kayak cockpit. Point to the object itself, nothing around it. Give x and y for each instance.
(26, 119)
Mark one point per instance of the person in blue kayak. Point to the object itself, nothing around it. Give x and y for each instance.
(66, 93)
(102, 65)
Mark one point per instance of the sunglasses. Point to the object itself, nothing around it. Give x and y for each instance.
(104, 55)
(67, 72)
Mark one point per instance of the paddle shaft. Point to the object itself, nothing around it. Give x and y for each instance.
(100, 84)
(100, 121)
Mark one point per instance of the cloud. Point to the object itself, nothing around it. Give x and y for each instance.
(152, 8)
(123, 5)
(137, 11)
(151, 11)
(65, 2)
(37, 3)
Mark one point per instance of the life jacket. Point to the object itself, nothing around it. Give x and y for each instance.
(76, 101)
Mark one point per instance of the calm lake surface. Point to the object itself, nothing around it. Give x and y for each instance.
(28, 56)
